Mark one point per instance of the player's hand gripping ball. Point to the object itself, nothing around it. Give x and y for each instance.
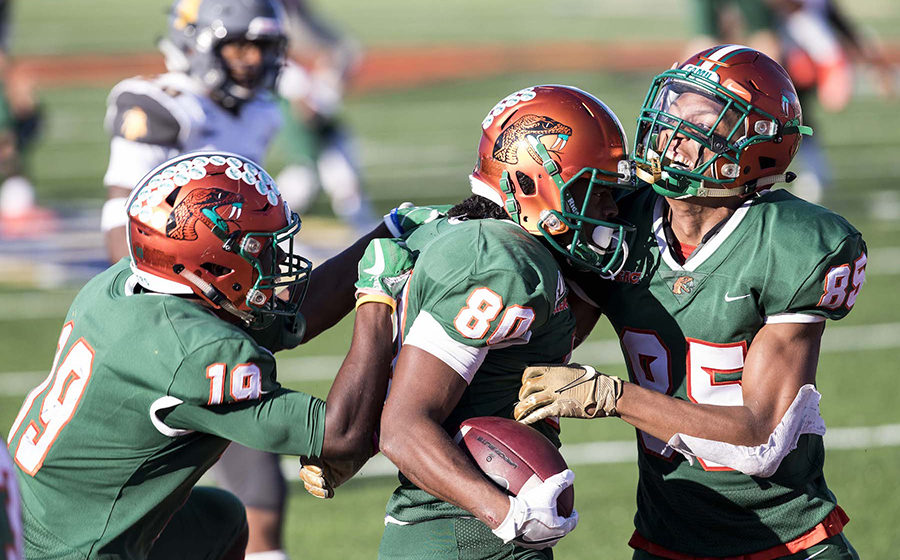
(515, 456)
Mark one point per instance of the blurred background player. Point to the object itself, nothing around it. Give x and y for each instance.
(320, 151)
(818, 46)
(749, 22)
(20, 119)
(817, 43)
(223, 58)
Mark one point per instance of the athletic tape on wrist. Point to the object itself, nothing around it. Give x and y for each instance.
(376, 298)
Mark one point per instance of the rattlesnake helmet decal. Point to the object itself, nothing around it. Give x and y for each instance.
(530, 129)
(200, 206)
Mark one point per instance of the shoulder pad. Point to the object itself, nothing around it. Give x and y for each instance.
(140, 111)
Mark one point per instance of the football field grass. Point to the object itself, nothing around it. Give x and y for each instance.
(419, 144)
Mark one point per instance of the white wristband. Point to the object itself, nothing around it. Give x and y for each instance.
(507, 529)
(114, 214)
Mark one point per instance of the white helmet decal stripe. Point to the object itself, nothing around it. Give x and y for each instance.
(716, 56)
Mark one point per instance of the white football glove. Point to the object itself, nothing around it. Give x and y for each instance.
(533, 521)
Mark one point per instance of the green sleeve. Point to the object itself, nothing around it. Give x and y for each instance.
(230, 369)
(835, 282)
(283, 422)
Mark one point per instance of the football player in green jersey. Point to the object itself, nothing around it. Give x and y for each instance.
(485, 299)
(166, 358)
(720, 310)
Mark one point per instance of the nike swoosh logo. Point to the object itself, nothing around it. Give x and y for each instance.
(730, 299)
(816, 554)
(378, 267)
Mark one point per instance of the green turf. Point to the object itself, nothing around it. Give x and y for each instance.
(54, 26)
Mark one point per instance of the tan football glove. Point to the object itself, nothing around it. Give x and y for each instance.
(571, 391)
(321, 477)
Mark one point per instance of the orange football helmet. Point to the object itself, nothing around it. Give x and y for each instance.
(214, 224)
(747, 137)
(535, 145)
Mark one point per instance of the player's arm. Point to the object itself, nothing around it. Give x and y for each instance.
(144, 125)
(781, 359)
(294, 423)
(331, 288)
(424, 390)
(356, 397)
(585, 311)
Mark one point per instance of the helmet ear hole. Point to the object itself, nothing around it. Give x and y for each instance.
(766, 162)
(526, 183)
(216, 270)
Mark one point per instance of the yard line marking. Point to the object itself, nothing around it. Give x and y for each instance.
(601, 353)
(617, 452)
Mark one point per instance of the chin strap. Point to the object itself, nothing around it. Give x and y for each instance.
(212, 293)
(746, 188)
(655, 174)
(510, 203)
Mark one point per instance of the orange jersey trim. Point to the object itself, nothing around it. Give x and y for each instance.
(832, 525)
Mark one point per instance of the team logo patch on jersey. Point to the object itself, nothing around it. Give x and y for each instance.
(683, 285)
(531, 129)
(202, 206)
(134, 124)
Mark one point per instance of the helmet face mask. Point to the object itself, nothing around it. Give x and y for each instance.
(277, 268)
(214, 225)
(545, 155)
(198, 31)
(725, 123)
(589, 242)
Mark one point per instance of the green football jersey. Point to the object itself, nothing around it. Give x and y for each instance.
(10, 511)
(486, 285)
(685, 331)
(145, 392)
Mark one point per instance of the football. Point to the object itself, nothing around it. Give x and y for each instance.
(515, 456)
